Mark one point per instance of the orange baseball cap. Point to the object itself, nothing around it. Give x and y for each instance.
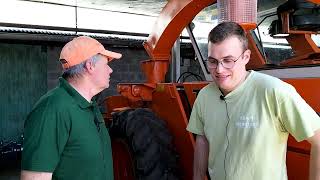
(82, 48)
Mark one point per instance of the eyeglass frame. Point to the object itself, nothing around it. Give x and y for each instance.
(221, 61)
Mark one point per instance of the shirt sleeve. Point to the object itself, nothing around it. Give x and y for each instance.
(46, 132)
(195, 124)
(298, 118)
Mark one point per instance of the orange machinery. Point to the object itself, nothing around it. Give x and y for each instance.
(172, 102)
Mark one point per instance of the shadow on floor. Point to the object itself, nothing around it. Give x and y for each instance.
(10, 166)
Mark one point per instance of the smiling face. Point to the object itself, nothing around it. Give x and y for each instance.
(230, 48)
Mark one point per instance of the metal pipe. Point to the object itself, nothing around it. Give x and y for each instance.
(198, 54)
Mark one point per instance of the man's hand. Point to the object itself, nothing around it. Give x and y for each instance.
(32, 175)
(201, 155)
(314, 169)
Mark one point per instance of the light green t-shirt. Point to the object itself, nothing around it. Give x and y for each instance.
(248, 131)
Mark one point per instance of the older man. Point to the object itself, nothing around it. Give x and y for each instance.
(65, 135)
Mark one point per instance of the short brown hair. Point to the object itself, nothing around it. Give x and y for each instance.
(225, 30)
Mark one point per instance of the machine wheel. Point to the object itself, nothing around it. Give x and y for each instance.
(149, 142)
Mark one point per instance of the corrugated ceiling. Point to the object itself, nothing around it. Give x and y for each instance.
(146, 7)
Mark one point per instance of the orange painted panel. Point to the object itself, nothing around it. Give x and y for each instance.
(302, 147)
(191, 87)
(173, 18)
(297, 166)
(314, 1)
(166, 103)
(309, 89)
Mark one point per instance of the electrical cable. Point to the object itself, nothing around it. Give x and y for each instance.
(273, 14)
(198, 77)
(226, 152)
(194, 75)
(11, 146)
(260, 39)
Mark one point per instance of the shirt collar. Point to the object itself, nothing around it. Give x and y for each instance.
(80, 100)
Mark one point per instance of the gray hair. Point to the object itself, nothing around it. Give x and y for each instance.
(78, 70)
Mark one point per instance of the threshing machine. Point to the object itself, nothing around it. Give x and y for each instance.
(148, 120)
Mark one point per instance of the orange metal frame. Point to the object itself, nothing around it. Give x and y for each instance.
(164, 99)
(256, 58)
(314, 1)
(168, 106)
(173, 18)
(305, 49)
(123, 162)
(170, 23)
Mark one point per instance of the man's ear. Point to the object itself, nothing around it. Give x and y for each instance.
(89, 66)
(246, 56)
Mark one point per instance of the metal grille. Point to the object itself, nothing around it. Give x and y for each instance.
(240, 11)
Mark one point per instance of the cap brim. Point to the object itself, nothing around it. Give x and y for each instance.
(111, 55)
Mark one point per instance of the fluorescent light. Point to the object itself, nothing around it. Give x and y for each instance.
(282, 46)
(280, 35)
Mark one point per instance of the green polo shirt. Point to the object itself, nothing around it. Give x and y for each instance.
(61, 136)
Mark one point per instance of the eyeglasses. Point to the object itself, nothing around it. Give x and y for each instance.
(227, 62)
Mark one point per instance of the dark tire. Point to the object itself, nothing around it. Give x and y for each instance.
(149, 141)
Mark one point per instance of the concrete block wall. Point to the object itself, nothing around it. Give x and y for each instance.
(54, 69)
